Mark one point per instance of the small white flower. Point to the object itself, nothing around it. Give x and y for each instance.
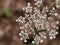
(53, 34)
(57, 27)
(38, 2)
(57, 22)
(53, 8)
(21, 27)
(20, 34)
(25, 41)
(21, 38)
(28, 9)
(45, 9)
(37, 39)
(42, 34)
(41, 41)
(55, 14)
(51, 37)
(23, 35)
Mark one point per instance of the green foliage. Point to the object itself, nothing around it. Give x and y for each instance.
(32, 44)
(6, 12)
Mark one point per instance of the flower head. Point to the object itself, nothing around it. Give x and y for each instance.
(38, 24)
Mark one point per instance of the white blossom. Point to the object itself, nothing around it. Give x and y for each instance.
(28, 9)
(37, 23)
(38, 2)
(53, 34)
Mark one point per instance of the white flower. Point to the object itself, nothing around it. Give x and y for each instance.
(36, 11)
(42, 34)
(23, 35)
(28, 9)
(37, 39)
(45, 9)
(38, 2)
(37, 23)
(25, 40)
(53, 34)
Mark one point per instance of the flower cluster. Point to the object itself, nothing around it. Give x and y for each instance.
(38, 23)
(38, 2)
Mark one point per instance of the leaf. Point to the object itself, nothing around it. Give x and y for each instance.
(32, 44)
(6, 12)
